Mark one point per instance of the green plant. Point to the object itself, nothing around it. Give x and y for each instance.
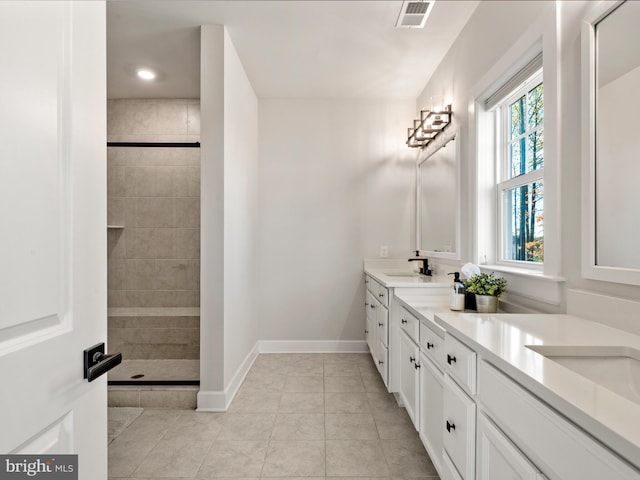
(486, 284)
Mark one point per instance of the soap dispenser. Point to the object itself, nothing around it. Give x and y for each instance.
(456, 300)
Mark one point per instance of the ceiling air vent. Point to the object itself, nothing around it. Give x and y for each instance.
(414, 14)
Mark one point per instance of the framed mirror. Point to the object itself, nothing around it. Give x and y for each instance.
(438, 200)
(611, 170)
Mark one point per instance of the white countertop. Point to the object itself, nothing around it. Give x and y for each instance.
(502, 339)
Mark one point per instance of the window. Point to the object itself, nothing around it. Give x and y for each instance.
(520, 136)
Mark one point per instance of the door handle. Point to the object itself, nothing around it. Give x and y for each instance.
(97, 363)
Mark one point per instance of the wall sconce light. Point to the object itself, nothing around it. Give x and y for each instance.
(428, 126)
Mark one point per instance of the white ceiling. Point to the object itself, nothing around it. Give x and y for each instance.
(289, 49)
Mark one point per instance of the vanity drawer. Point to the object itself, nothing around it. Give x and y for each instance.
(460, 362)
(432, 345)
(378, 291)
(459, 433)
(410, 324)
(383, 295)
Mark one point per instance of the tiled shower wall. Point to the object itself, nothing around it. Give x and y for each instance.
(154, 193)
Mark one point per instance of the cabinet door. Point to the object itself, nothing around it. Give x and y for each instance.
(371, 329)
(382, 324)
(409, 377)
(459, 429)
(431, 409)
(382, 361)
(449, 472)
(498, 457)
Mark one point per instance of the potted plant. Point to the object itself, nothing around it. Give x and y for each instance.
(487, 288)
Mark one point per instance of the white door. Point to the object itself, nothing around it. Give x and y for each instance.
(53, 229)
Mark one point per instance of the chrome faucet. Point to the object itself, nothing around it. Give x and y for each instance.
(424, 268)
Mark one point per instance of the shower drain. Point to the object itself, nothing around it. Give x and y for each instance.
(139, 375)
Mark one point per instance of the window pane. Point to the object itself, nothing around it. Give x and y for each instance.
(516, 118)
(516, 158)
(535, 151)
(535, 107)
(524, 223)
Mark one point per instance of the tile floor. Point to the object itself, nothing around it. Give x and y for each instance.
(296, 415)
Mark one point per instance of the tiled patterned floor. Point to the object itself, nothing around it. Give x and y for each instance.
(296, 415)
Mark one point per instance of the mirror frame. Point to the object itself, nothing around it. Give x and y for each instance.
(445, 137)
(590, 269)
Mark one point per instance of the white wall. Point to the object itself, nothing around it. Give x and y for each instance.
(240, 211)
(212, 210)
(336, 182)
(229, 161)
(482, 52)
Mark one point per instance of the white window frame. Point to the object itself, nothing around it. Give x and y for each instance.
(503, 182)
(542, 290)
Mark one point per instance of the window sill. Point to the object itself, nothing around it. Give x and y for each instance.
(530, 288)
(524, 272)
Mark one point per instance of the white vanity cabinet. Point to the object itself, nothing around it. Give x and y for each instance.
(559, 448)
(496, 429)
(377, 325)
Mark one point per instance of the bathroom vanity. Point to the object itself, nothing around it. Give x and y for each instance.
(521, 395)
(384, 282)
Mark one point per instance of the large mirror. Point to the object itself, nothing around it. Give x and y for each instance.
(611, 54)
(437, 210)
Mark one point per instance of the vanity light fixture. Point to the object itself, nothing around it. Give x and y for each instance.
(146, 74)
(428, 126)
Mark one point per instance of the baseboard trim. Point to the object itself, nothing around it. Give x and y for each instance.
(313, 346)
(219, 401)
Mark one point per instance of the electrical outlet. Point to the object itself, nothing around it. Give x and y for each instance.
(384, 251)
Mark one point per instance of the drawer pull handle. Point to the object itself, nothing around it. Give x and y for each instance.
(451, 359)
(412, 359)
(381, 295)
(380, 362)
(372, 306)
(450, 426)
(366, 304)
(416, 365)
(366, 331)
(429, 346)
(403, 321)
(381, 324)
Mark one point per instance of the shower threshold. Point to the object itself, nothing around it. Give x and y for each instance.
(171, 372)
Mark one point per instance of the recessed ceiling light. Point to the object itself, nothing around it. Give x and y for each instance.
(146, 74)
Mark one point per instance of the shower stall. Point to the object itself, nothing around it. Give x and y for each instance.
(153, 231)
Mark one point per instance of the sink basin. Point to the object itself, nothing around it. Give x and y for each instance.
(408, 275)
(615, 368)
